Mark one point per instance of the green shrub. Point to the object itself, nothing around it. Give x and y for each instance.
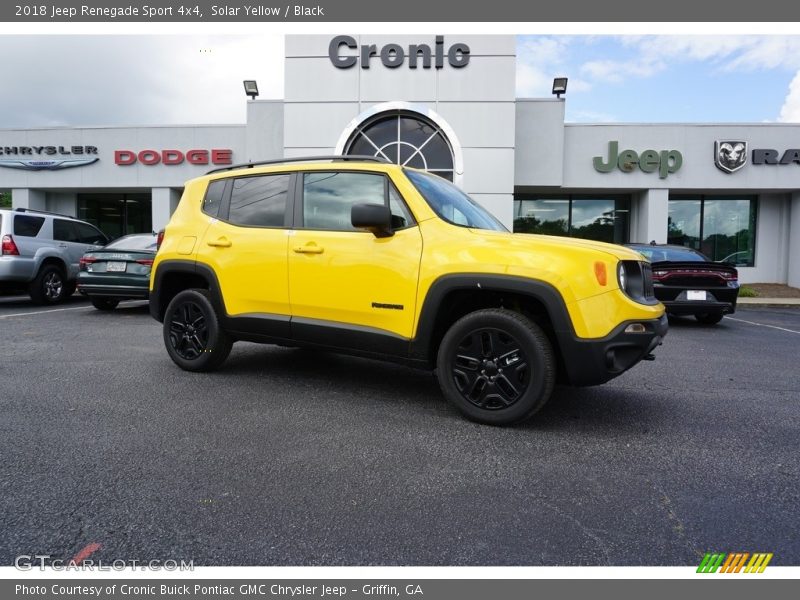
(747, 292)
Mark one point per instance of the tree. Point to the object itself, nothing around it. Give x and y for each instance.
(5, 199)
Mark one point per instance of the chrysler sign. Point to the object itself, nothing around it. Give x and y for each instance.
(47, 158)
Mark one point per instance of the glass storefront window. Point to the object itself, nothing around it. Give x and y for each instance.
(721, 228)
(546, 215)
(683, 223)
(117, 214)
(595, 218)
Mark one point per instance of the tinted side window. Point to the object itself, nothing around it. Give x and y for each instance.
(328, 198)
(259, 201)
(63, 231)
(213, 197)
(27, 226)
(89, 235)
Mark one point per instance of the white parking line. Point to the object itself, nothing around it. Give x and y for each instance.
(762, 325)
(41, 312)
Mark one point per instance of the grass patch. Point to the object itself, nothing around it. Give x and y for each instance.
(747, 292)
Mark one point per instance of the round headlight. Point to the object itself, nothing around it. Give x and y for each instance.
(621, 275)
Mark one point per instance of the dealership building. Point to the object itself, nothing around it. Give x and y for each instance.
(448, 104)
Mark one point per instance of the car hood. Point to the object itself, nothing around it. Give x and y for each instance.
(555, 242)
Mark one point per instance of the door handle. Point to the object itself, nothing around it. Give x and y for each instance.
(220, 243)
(311, 248)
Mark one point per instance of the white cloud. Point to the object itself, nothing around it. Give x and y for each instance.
(790, 111)
(650, 55)
(539, 61)
(134, 80)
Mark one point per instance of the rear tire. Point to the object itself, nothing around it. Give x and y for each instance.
(496, 366)
(49, 286)
(711, 318)
(194, 339)
(105, 303)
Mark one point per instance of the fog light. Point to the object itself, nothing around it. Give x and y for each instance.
(636, 328)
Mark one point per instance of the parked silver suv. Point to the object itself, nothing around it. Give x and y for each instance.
(41, 251)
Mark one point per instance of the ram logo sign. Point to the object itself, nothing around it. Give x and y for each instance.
(730, 156)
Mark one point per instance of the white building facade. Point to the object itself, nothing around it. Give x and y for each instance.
(447, 104)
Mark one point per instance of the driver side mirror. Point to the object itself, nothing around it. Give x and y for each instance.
(376, 218)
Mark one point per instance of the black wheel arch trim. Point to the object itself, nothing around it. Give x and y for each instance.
(183, 267)
(550, 298)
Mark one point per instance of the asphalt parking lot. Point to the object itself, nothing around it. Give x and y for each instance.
(295, 457)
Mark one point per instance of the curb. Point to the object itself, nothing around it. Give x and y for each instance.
(780, 302)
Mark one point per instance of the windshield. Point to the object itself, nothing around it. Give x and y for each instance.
(451, 204)
(134, 242)
(658, 254)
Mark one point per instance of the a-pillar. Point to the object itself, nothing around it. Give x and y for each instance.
(652, 214)
(164, 203)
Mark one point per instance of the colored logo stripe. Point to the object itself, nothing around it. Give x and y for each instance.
(710, 563)
(733, 562)
(758, 563)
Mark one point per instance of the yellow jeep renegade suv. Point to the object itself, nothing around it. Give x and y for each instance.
(360, 256)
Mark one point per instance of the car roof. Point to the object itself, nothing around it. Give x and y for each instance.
(38, 213)
(327, 159)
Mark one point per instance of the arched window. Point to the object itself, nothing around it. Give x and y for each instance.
(404, 138)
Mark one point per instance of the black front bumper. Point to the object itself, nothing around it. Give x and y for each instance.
(591, 362)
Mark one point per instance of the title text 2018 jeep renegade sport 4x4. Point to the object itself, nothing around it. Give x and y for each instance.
(377, 260)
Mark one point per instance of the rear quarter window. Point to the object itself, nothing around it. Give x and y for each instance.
(213, 197)
(27, 226)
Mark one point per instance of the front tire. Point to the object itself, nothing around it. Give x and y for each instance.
(193, 336)
(496, 366)
(711, 318)
(105, 304)
(49, 286)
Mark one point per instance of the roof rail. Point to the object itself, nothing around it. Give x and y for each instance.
(44, 212)
(280, 161)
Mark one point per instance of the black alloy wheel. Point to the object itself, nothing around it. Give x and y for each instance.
(490, 370)
(496, 366)
(192, 333)
(188, 332)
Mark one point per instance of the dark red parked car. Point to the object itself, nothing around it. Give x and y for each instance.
(687, 282)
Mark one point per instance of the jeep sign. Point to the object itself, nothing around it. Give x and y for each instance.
(649, 161)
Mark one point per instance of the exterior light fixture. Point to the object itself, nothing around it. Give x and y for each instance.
(251, 88)
(559, 86)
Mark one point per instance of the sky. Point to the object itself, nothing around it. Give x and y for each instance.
(96, 80)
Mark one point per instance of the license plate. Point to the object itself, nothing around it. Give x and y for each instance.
(118, 267)
(695, 295)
